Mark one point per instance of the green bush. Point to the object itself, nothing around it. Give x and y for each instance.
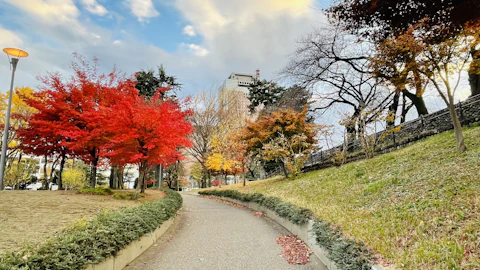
(96, 240)
(346, 253)
(96, 191)
(295, 214)
(127, 196)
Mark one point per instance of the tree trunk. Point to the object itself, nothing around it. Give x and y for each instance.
(157, 175)
(252, 173)
(52, 171)
(60, 177)
(120, 177)
(474, 72)
(111, 178)
(285, 172)
(178, 184)
(350, 127)
(405, 109)
(161, 176)
(141, 177)
(392, 111)
(45, 176)
(93, 173)
(457, 127)
(209, 179)
(244, 177)
(418, 102)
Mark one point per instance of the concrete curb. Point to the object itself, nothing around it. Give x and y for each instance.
(132, 251)
(303, 231)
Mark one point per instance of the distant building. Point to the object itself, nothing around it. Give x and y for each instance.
(234, 93)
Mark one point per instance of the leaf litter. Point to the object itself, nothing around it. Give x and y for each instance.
(294, 250)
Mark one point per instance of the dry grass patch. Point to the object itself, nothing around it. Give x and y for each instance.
(33, 216)
(418, 207)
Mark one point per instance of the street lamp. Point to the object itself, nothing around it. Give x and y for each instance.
(14, 56)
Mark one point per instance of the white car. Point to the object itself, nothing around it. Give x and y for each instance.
(34, 186)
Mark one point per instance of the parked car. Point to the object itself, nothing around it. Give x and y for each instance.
(34, 186)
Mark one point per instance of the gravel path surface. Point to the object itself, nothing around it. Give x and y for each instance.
(212, 235)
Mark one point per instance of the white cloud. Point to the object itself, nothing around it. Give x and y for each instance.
(189, 31)
(196, 49)
(238, 35)
(95, 8)
(143, 9)
(243, 35)
(9, 39)
(49, 10)
(59, 17)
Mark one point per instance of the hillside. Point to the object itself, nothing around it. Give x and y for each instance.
(418, 207)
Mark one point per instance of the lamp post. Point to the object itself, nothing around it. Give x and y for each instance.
(14, 56)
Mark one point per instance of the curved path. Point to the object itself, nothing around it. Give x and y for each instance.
(211, 235)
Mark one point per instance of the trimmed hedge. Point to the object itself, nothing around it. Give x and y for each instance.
(295, 214)
(346, 253)
(96, 191)
(94, 241)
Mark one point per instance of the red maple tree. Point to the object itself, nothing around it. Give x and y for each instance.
(145, 132)
(93, 115)
(41, 137)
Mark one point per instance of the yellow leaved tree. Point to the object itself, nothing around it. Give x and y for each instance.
(20, 112)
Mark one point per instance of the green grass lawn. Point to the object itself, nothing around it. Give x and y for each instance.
(418, 207)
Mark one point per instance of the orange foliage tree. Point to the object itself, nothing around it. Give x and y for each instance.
(284, 136)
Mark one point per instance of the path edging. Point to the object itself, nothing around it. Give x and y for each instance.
(133, 250)
(303, 231)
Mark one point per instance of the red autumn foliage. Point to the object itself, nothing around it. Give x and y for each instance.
(90, 116)
(145, 132)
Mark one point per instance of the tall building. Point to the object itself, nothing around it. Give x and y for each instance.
(234, 93)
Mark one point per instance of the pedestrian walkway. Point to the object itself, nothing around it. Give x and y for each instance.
(212, 235)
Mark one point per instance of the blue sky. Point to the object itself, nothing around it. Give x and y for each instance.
(199, 41)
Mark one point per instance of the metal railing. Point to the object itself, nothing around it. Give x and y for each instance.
(410, 131)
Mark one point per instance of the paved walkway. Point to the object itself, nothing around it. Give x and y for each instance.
(212, 235)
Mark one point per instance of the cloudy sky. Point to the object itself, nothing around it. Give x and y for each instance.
(199, 41)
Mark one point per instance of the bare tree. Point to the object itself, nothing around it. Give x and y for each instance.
(443, 63)
(337, 66)
(206, 120)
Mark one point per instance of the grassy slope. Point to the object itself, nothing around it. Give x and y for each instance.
(419, 207)
(34, 216)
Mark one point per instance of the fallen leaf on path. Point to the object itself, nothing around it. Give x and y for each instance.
(225, 202)
(295, 251)
(259, 214)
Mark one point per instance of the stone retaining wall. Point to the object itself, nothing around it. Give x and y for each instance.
(132, 251)
(304, 232)
(411, 131)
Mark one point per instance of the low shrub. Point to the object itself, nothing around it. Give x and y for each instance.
(295, 214)
(127, 196)
(94, 241)
(96, 191)
(346, 253)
